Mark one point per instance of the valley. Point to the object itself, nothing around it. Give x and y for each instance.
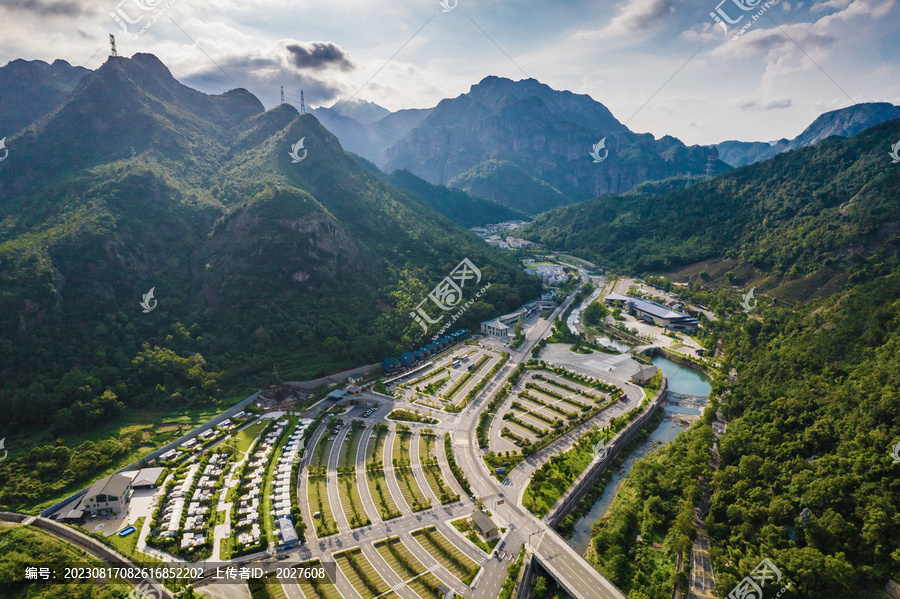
(504, 346)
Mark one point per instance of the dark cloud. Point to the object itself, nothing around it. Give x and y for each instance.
(265, 83)
(319, 56)
(64, 8)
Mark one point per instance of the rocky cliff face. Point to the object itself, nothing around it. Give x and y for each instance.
(538, 133)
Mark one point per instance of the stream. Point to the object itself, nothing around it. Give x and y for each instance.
(683, 381)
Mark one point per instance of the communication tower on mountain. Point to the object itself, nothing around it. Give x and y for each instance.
(302, 103)
(282, 94)
(112, 45)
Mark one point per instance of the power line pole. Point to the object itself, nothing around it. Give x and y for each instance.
(112, 45)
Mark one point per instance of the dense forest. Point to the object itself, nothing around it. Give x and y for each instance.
(805, 475)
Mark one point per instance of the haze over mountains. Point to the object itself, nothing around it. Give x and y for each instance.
(845, 122)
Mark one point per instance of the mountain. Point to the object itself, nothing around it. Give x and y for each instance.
(508, 184)
(368, 138)
(30, 90)
(457, 205)
(844, 122)
(537, 138)
(262, 268)
(798, 225)
(361, 111)
(741, 153)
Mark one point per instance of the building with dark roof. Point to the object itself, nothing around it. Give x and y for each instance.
(643, 376)
(653, 313)
(485, 525)
(109, 496)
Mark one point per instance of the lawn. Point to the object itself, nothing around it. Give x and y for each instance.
(432, 471)
(318, 502)
(412, 494)
(246, 437)
(381, 495)
(378, 487)
(126, 545)
(408, 568)
(447, 554)
(361, 574)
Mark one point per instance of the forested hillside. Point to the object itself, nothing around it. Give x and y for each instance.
(264, 269)
(827, 212)
(805, 476)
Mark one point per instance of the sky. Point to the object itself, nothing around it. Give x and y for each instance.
(664, 67)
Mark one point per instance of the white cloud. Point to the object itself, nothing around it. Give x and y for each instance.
(637, 15)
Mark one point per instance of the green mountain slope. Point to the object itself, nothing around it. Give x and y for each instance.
(263, 269)
(508, 184)
(32, 89)
(827, 211)
(805, 477)
(457, 205)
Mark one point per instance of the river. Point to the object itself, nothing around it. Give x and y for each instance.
(682, 380)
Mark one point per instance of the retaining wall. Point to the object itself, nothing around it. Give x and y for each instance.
(97, 549)
(334, 378)
(155, 454)
(589, 477)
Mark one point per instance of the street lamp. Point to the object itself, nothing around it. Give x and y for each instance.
(528, 542)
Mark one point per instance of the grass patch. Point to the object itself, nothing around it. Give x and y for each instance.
(127, 545)
(247, 436)
(411, 416)
(361, 574)
(431, 469)
(314, 588)
(447, 554)
(412, 494)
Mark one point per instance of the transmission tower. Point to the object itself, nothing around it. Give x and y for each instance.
(709, 164)
(112, 45)
(302, 103)
(282, 94)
